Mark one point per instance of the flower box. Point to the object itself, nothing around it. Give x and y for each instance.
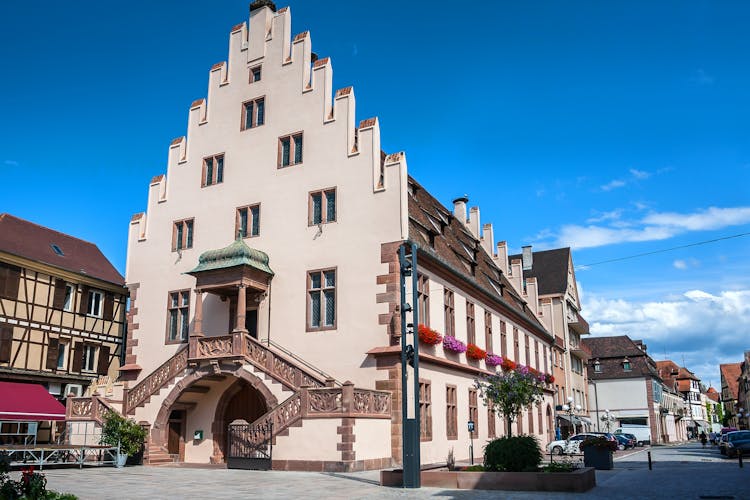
(453, 344)
(493, 359)
(428, 336)
(474, 352)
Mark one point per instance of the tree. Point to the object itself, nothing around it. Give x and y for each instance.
(512, 391)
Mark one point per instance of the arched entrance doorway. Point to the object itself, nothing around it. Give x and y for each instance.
(240, 401)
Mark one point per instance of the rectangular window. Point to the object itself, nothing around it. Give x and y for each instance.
(471, 334)
(451, 412)
(69, 294)
(178, 319)
(527, 351)
(491, 432)
(536, 354)
(423, 299)
(530, 416)
(182, 235)
(516, 347)
(322, 207)
(503, 340)
(474, 410)
(253, 113)
(425, 410)
(247, 224)
(213, 170)
(488, 331)
(546, 362)
(255, 74)
(88, 361)
(290, 150)
(450, 318)
(321, 308)
(96, 301)
(62, 349)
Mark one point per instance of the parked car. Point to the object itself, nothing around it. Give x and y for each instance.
(738, 442)
(642, 433)
(625, 442)
(568, 446)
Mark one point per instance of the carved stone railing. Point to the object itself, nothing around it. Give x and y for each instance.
(375, 403)
(279, 368)
(213, 347)
(283, 415)
(91, 408)
(162, 376)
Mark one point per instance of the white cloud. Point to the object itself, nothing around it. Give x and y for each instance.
(604, 216)
(639, 174)
(705, 328)
(654, 226)
(680, 264)
(617, 183)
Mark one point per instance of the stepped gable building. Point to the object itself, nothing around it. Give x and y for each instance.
(624, 380)
(62, 311)
(549, 277)
(264, 280)
(730, 391)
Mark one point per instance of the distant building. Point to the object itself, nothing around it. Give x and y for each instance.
(743, 391)
(62, 310)
(730, 374)
(550, 275)
(624, 380)
(688, 385)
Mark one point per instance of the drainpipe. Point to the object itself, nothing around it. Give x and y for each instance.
(268, 333)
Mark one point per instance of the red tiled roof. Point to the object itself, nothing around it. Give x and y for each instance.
(176, 141)
(369, 122)
(237, 27)
(197, 103)
(730, 372)
(344, 91)
(217, 66)
(301, 36)
(34, 242)
(321, 62)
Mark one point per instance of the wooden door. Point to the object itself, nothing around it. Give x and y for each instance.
(175, 432)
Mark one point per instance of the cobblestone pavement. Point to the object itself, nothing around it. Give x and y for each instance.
(679, 472)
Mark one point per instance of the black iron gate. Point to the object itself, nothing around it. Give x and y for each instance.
(249, 446)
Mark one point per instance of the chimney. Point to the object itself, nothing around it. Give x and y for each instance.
(459, 208)
(528, 257)
(474, 222)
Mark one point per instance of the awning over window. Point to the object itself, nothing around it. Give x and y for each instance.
(28, 402)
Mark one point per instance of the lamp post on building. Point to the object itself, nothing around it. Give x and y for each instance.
(571, 410)
(470, 424)
(607, 418)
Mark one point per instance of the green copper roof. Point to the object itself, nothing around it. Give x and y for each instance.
(236, 254)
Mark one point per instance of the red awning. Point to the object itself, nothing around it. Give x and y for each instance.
(28, 402)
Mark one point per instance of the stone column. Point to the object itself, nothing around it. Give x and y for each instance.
(241, 308)
(198, 319)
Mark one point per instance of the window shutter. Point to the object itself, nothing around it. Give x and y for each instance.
(52, 351)
(83, 306)
(10, 277)
(103, 363)
(109, 306)
(6, 343)
(78, 357)
(58, 300)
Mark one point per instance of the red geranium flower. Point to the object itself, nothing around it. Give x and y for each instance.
(474, 352)
(428, 335)
(508, 365)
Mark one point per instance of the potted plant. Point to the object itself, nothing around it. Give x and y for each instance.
(428, 336)
(452, 344)
(493, 359)
(597, 452)
(473, 351)
(122, 432)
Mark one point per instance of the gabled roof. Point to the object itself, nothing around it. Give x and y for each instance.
(550, 267)
(613, 347)
(25, 239)
(730, 372)
(439, 234)
(610, 353)
(713, 395)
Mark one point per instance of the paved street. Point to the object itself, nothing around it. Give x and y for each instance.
(685, 471)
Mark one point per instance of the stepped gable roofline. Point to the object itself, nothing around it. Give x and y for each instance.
(236, 254)
(550, 267)
(456, 249)
(26, 239)
(731, 372)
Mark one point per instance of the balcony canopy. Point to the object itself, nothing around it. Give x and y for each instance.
(28, 402)
(236, 264)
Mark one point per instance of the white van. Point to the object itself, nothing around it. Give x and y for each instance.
(642, 433)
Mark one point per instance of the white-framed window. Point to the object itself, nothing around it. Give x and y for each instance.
(62, 355)
(88, 361)
(70, 291)
(96, 303)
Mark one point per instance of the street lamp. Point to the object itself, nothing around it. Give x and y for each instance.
(607, 418)
(571, 410)
(470, 424)
(741, 413)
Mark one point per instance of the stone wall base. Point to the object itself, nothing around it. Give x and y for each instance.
(331, 466)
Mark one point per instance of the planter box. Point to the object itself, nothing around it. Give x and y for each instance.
(598, 458)
(577, 481)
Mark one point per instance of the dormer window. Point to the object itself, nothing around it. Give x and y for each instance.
(597, 366)
(626, 365)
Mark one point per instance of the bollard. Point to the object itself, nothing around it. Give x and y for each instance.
(649, 461)
(739, 455)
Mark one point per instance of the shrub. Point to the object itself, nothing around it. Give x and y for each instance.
(31, 486)
(559, 467)
(450, 462)
(119, 430)
(513, 454)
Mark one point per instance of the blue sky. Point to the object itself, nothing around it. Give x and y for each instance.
(617, 128)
